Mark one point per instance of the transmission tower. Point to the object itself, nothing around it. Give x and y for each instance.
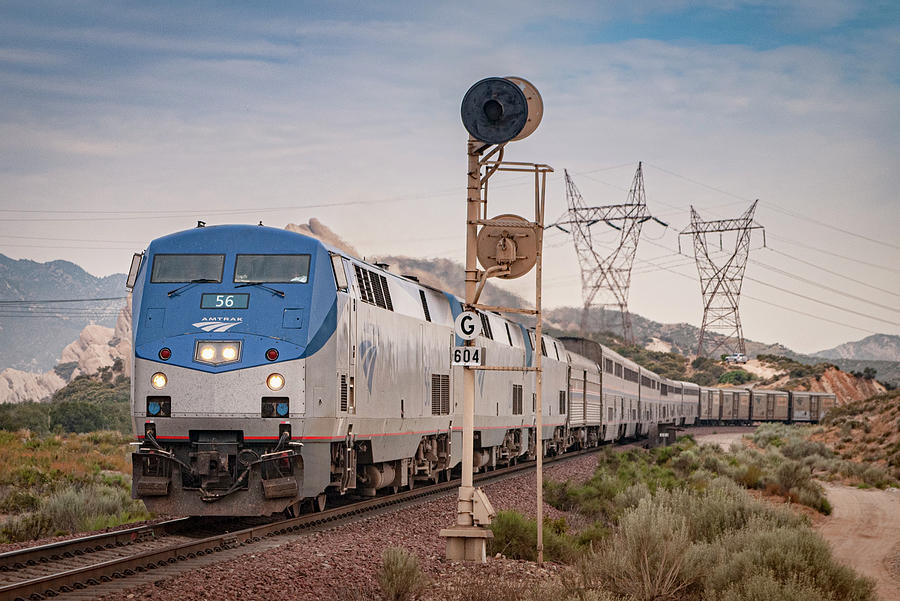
(721, 285)
(605, 278)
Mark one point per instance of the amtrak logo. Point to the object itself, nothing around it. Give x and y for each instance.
(217, 324)
(368, 352)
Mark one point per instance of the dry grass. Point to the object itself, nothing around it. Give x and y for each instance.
(55, 484)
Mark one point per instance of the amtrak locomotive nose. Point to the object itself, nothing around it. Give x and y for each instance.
(226, 319)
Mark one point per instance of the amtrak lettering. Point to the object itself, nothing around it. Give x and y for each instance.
(217, 324)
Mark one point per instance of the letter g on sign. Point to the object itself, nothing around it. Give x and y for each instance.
(467, 325)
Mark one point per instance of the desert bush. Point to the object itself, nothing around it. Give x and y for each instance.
(515, 536)
(792, 474)
(91, 507)
(399, 576)
(766, 562)
(650, 555)
(19, 501)
(722, 508)
(875, 475)
(800, 449)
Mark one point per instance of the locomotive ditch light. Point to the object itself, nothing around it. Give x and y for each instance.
(275, 381)
(159, 380)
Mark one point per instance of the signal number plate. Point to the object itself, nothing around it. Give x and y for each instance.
(470, 356)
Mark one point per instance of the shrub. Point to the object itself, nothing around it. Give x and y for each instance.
(515, 536)
(399, 575)
(875, 475)
(650, 555)
(792, 474)
(91, 507)
(765, 562)
(722, 508)
(799, 449)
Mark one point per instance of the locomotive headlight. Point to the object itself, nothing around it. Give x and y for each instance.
(275, 381)
(159, 380)
(217, 352)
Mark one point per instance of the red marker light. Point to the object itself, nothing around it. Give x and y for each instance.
(271, 354)
(164, 354)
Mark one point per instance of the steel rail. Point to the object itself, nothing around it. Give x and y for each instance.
(29, 556)
(79, 578)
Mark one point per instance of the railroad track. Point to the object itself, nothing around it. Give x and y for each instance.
(73, 566)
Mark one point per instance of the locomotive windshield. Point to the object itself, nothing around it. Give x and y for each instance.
(187, 268)
(256, 269)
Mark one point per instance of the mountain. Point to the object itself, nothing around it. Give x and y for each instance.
(877, 347)
(32, 337)
(681, 338)
(96, 347)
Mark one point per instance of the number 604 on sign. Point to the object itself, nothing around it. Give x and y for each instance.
(470, 356)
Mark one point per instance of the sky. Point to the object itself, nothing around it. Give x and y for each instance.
(124, 121)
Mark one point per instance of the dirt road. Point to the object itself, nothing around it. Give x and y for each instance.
(864, 532)
(722, 435)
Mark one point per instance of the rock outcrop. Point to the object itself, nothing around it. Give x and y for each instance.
(19, 386)
(846, 387)
(96, 347)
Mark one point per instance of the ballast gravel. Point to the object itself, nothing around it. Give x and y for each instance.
(341, 563)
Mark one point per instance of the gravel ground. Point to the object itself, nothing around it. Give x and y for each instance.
(332, 563)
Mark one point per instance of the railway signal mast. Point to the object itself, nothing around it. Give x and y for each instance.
(721, 285)
(495, 111)
(606, 278)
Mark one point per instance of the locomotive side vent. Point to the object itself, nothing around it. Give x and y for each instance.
(386, 292)
(343, 393)
(425, 305)
(363, 284)
(440, 394)
(373, 288)
(517, 399)
(486, 326)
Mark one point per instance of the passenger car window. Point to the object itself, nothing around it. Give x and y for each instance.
(282, 269)
(186, 268)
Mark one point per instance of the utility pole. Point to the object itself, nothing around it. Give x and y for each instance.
(721, 285)
(606, 278)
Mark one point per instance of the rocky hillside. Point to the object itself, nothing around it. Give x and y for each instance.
(96, 347)
(866, 431)
(32, 339)
(877, 347)
(681, 338)
(787, 374)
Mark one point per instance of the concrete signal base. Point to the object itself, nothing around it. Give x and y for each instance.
(467, 543)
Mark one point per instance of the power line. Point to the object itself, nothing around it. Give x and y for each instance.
(775, 207)
(846, 277)
(821, 302)
(823, 286)
(765, 302)
(834, 254)
(62, 300)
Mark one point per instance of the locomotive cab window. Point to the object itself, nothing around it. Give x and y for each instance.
(340, 276)
(173, 269)
(281, 269)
